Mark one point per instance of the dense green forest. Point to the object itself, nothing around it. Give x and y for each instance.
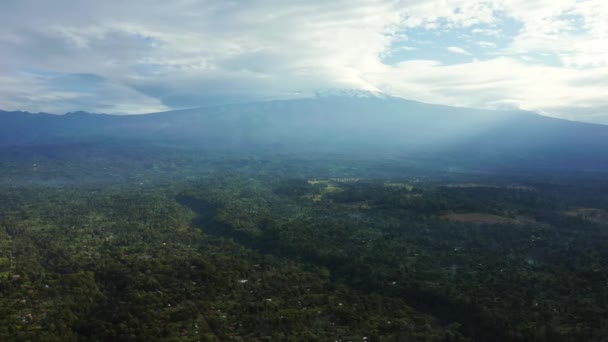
(160, 244)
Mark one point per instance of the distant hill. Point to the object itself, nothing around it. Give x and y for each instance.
(338, 123)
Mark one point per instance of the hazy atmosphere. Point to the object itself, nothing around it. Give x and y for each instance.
(126, 57)
(286, 171)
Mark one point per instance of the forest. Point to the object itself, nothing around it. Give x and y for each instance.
(107, 243)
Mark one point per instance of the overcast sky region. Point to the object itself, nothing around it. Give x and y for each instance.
(139, 56)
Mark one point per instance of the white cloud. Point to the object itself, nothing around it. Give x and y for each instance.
(41, 94)
(155, 55)
(576, 31)
(487, 32)
(458, 50)
(504, 83)
(486, 44)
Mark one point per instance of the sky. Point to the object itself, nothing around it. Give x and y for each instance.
(140, 56)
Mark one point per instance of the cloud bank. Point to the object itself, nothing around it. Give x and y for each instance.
(112, 56)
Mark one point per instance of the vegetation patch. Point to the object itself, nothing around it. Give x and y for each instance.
(243, 253)
(479, 218)
(590, 214)
(406, 186)
(491, 186)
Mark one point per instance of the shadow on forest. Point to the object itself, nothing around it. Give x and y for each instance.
(470, 318)
(204, 210)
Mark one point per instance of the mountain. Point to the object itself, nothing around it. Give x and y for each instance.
(362, 124)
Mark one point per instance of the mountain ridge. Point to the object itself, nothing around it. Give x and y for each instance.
(368, 125)
(325, 94)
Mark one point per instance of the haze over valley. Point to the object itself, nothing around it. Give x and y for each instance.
(360, 170)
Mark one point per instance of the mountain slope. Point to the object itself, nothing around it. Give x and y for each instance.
(352, 125)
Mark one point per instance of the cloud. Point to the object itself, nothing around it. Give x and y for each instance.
(64, 93)
(255, 49)
(504, 83)
(458, 50)
(139, 56)
(486, 44)
(487, 31)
